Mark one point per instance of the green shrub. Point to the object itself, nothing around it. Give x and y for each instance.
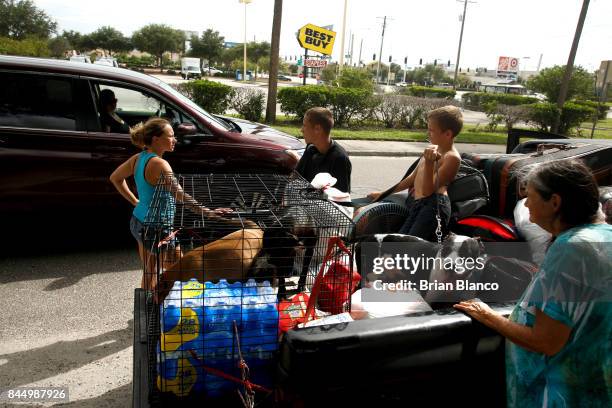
(543, 114)
(572, 115)
(211, 96)
(602, 109)
(132, 61)
(30, 47)
(358, 78)
(346, 103)
(481, 100)
(296, 100)
(427, 92)
(249, 103)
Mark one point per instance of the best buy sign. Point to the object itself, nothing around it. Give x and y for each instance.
(317, 39)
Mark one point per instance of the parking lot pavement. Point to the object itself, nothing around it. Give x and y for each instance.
(67, 322)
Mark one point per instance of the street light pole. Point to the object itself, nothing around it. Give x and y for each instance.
(382, 39)
(343, 35)
(245, 38)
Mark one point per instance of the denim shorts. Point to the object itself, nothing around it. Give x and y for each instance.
(421, 221)
(150, 242)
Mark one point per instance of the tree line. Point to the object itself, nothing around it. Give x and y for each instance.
(28, 30)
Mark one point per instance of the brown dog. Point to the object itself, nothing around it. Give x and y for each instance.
(229, 257)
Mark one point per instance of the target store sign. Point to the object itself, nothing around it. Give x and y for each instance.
(508, 65)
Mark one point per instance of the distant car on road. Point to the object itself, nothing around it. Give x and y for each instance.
(108, 61)
(211, 71)
(80, 58)
(283, 78)
(402, 84)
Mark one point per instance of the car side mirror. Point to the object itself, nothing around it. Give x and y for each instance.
(186, 129)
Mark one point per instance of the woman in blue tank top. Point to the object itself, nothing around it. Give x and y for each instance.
(559, 348)
(155, 137)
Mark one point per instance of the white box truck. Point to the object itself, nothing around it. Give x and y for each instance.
(190, 68)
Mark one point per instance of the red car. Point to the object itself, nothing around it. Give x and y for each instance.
(55, 154)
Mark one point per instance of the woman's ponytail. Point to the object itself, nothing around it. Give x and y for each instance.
(137, 135)
(142, 134)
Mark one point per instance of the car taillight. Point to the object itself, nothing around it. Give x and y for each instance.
(498, 228)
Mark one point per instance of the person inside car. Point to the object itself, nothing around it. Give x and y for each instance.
(559, 351)
(111, 122)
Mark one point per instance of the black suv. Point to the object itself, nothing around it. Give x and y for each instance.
(55, 154)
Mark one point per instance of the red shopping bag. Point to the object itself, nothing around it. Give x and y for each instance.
(337, 286)
(301, 307)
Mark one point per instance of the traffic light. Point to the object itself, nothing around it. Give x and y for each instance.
(459, 69)
(373, 57)
(389, 58)
(420, 61)
(435, 62)
(405, 60)
(468, 69)
(448, 64)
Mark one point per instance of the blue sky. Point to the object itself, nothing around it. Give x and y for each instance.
(427, 29)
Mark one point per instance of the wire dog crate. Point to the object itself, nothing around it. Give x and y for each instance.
(226, 251)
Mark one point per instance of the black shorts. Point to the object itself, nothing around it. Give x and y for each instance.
(421, 221)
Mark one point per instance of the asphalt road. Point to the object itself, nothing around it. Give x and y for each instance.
(67, 302)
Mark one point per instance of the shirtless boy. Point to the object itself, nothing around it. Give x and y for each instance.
(439, 158)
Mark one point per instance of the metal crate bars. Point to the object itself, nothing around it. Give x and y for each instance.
(224, 249)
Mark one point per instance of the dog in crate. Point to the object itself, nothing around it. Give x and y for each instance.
(287, 250)
(229, 257)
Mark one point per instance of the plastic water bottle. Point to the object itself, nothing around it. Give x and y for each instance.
(210, 302)
(174, 297)
(250, 288)
(179, 373)
(218, 345)
(235, 303)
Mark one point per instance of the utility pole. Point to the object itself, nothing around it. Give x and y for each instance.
(351, 48)
(465, 2)
(273, 74)
(569, 68)
(343, 35)
(539, 63)
(382, 39)
(360, 49)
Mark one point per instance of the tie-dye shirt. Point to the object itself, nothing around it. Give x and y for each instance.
(574, 287)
